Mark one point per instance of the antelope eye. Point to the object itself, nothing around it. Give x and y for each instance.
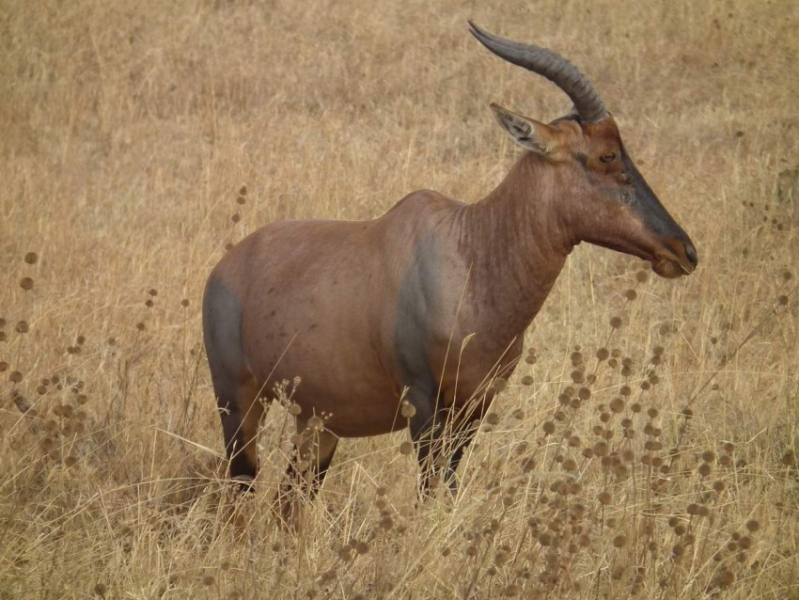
(607, 158)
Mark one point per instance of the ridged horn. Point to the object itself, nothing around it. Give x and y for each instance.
(550, 65)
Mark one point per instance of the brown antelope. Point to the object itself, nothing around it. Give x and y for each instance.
(405, 319)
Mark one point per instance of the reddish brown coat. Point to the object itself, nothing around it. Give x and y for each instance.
(427, 303)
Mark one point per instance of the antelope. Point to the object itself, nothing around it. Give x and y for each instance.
(404, 320)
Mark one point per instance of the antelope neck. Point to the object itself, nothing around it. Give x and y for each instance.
(516, 241)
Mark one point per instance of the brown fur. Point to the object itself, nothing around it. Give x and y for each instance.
(427, 303)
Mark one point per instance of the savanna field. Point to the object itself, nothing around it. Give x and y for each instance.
(645, 447)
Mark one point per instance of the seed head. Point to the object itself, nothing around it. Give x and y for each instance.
(499, 384)
(641, 276)
(630, 295)
(615, 322)
(726, 578)
(602, 354)
(752, 525)
(31, 258)
(406, 448)
(617, 405)
(361, 547)
(407, 409)
(22, 327)
(26, 283)
(15, 377)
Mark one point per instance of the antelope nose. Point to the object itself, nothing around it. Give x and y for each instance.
(690, 254)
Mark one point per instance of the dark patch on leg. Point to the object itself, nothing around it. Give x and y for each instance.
(415, 321)
(416, 312)
(239, 408)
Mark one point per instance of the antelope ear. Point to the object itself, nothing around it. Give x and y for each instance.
(528, 133)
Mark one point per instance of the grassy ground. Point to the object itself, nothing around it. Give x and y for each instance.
(128, 130)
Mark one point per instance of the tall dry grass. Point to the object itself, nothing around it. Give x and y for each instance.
(654, 459)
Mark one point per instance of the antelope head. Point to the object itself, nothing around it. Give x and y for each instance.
(606, 200)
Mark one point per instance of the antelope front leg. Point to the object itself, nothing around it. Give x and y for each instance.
(427, 427)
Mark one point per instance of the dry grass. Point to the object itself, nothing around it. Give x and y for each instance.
(128, 129)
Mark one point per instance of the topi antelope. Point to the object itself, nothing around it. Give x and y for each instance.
(404, 320)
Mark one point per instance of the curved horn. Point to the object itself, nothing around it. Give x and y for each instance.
(552, 66)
